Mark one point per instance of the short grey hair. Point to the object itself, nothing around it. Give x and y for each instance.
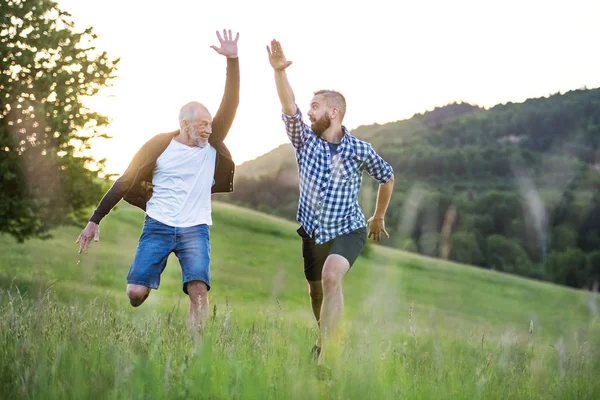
(334, 99)
(188, 111)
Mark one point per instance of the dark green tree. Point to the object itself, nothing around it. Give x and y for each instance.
(48, 68)
(504, 254)
(563, 237)
(593, 269)
(569, 267)
(465, 248)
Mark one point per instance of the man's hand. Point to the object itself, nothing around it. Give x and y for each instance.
(276, 56)
(91, 231)
(376, 227)
(228, 44)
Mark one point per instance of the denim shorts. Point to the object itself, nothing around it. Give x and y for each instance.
(191, 245)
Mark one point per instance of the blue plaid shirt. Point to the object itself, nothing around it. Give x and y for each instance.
(329, 183)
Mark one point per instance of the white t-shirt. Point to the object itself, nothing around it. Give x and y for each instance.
(182, 182)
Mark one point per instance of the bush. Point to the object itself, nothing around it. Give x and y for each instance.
(569, 267)
(504, 254)
(409, 245)
(464, 248)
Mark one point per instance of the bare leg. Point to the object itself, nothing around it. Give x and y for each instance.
(198, 292)
(137, 294)
(315, 291)
(334, 270)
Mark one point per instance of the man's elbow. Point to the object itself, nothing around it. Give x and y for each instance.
(390, 181)
(289, 109)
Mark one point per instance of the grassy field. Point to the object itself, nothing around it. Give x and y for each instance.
(414, 327)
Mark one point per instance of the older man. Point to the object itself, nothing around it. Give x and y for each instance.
(172, 178)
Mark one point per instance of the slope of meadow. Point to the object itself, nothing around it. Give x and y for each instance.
(414, 326)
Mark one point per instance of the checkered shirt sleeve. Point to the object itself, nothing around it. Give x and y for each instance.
(296, 129)
(377, 167)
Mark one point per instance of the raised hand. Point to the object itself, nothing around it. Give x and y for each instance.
(276, 56)
(228, 44)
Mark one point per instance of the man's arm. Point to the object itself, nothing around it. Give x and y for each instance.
(284, 90)
(383, 172)
(231, 98)
(110, 199)
(377, 222)
(292, 117)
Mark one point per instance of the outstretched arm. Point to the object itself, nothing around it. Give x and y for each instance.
(110, 199)
(377, 222)
(231, 98)
(284, 90)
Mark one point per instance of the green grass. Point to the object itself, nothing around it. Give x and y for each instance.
(67, 330)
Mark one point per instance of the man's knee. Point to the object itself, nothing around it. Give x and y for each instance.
(331, 281)
(197, 290)
(333, 271)
(137, 294)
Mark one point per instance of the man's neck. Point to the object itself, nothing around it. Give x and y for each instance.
(333, 134)
(183, 139)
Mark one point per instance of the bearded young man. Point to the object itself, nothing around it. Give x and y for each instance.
(330, 166)
(172, 178)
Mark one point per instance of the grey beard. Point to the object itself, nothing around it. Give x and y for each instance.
(196, 139)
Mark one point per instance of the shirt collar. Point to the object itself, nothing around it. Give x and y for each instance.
(346, 150)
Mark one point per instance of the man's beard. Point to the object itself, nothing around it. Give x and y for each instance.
(321, 125)
(195, 137)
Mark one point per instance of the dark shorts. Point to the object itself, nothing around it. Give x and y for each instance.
(191, 245)
(348, 246)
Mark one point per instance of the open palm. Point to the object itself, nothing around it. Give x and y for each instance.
(228, 47)
(276, 56)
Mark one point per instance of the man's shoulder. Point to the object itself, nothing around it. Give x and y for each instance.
(156, 144)
(358, 145)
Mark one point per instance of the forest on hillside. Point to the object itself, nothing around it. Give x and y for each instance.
(513, 188)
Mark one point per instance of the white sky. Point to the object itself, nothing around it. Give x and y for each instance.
(390, 59)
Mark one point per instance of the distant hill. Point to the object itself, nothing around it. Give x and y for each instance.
(282, 156)
(523, 177)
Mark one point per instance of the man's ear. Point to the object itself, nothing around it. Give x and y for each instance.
(185, 126)
(335, 113)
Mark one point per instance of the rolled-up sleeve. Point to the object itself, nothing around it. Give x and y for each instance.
(377, 167)
(295, 128)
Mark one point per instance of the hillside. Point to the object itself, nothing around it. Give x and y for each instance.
(417, 326)
(523, 178)
(256, 257)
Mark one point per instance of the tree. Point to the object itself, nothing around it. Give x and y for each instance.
(593, 268)
(569, 267)
(429, 243)
(465, 249)
(48, 69)
(409, 245)
(563, 238)
(504, 254)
